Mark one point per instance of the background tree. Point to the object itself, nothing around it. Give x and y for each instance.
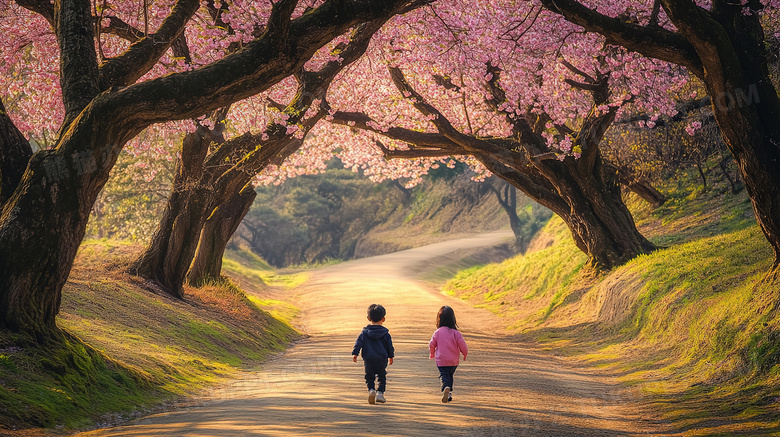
(313, 218)
(524, 222)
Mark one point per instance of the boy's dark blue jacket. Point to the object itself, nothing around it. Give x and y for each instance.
(376, 343)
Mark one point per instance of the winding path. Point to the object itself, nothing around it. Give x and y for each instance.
(505, 388)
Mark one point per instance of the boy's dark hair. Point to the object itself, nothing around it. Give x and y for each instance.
(376, 312)
(446, 317)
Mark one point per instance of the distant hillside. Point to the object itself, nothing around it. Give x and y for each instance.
(441, 208)
(342, 215)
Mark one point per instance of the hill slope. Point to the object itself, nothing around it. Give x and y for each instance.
(694, 326)
(127, 350)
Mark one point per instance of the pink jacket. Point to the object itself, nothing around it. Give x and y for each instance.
(446, 346)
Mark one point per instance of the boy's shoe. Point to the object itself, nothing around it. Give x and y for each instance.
(380, 397)
(445, 395)
(449, 399)
(372, 397)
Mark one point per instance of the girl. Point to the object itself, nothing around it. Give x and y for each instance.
(446, 346)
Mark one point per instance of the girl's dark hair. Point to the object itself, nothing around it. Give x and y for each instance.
(446, 317)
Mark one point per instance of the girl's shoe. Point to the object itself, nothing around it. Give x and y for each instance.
(445, 396)
(372, 397)
(380, 397)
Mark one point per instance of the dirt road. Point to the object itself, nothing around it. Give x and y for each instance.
(505, 388)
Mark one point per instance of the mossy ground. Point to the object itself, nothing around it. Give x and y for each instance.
(692, 326)
(125, 350)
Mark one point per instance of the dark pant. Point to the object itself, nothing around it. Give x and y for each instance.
(376, 369)
(445, 373)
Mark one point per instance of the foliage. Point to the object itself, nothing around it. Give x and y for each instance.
(314, 218)
(657, 148)
(133, 199)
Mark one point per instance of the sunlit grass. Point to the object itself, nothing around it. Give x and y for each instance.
(693, 326)
(245, 263)
(131, 349)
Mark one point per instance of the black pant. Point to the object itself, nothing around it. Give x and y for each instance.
(446, 373)
(376, 369)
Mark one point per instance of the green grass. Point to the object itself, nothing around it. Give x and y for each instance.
(694, 326)
(125, 350)
(507, 287)
(66, 383)
(248, 265)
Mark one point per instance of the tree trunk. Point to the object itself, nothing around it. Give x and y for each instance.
(638, 185)
(218, 229)
(15, 152)
(589, 202)
(514, 222)
(724, 168)
(31, 280)
(44, 221)
(508, 202)
(747, 109)
(647, 192)
(167, 258)
(602, 226)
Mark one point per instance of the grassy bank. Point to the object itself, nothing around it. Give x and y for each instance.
(692, 326)
(126, 350)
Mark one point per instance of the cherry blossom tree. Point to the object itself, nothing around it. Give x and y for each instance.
(725, 44)
(109, 93)
(515, 91)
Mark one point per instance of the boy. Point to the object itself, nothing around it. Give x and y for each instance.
(378, 352)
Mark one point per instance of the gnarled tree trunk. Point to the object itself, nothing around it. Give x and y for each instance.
(590, 203)
(216, 233)
(44, 221)
(168, 256)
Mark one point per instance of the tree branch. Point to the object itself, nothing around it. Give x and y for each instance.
(588, 78)
(278, 144)
(498, 97)
(78, 60)
(279, 22)
(15, 152)
(141, 56)
(249, 71)
(526, 128)
(651, 41)
(413, 153)
(117, 26)
(654, 14)
(683, 109)
(596, 123)
(469, 143)
(42, 7)
(421, 139)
